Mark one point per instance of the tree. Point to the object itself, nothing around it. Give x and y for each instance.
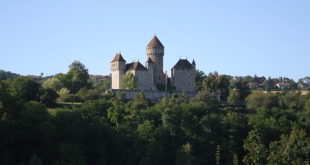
(290, 149)
(35, 160)
(215, 83)
(257, 152)
(234, 97)
(199, 77)
(222, 86)
(207, 97)
(240, 85)
(210, 83)
(4, 75)
(4, 95)
(261, 99)
(70, 154)
(103, 85)
(87, 94)
(292, 100)
(64, 95)
(48, 97)
(24, 88)
(269, 84)
(129, 81)
(64, 80)
(78, 77)
(52, 83)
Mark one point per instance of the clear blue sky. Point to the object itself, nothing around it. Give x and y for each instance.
(235, 37)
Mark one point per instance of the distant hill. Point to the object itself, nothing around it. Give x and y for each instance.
(4, 75)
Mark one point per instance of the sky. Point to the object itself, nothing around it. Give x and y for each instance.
(234, 37)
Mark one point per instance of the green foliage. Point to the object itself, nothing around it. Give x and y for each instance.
(269, 84)
(52, 83)
(4, 75)
(293, 148)
(24, 88)
(260, 99)
(184, 156)
(48, 97)
(307, 105)
(175, 130)
(88, 94)
(207, 97)
(103, 85)
(217, 84)
(234, 97)
(291, 100)
(78, 77)
(241, 87)
(64, 80)
(199, 77)
(129, 81)
(257, 152)
(35, 160)
(64, 95)
(70, 154)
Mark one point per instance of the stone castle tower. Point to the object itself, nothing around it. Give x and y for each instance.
(155, 52)
(148, 76)
(118, 68)
(183, 75)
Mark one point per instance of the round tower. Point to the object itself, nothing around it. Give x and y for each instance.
(155, 51)
(118, 68)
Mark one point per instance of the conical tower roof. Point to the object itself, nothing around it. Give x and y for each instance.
(118, 57)
(194, 62)
(155, 42)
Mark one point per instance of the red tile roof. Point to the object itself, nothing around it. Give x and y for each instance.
(135, 66)
(155, 42)
(183, 63)
(118, 57)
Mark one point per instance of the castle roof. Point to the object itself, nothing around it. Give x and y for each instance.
(194, 62)
(155, 42)
(118, 57)
(135, 66)
(149, 60)
(183, 63)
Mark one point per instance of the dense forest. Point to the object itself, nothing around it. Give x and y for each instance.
(71, 119)
(4, 75)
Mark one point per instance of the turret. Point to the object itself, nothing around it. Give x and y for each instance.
(150, 65)
(155, 51)
(118, 68)
(194, 65)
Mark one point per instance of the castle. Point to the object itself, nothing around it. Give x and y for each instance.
(150, 76)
